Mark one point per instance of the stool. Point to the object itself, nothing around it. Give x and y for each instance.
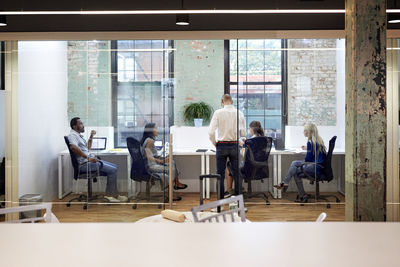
(216, 176)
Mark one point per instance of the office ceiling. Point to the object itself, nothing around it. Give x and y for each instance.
(78, 23)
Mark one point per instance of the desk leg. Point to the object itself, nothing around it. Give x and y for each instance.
(128, 170)
(202, 158)
(275, 175)
(60, 173)
(279, 174)
(207, 179)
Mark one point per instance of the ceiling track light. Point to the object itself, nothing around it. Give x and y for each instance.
(3, 21)
(183, 11)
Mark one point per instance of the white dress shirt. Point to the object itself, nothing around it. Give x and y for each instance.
(225, 121)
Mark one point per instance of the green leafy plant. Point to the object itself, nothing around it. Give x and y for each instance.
(197, 111)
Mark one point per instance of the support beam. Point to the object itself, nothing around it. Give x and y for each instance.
(365, 110)
(11, 127)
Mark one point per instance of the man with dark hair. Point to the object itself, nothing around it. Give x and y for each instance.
(225, 121)
(80, 148)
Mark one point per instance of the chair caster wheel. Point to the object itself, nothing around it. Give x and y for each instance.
(68, 205)
(85, 207)
(328, 206)
(134, 206)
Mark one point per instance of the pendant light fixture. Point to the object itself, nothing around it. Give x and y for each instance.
(182, 19)
(3, 21)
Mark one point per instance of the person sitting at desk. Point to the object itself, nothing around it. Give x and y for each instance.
(255, 131)
(80, 148)
(156, 163)
(316, 153)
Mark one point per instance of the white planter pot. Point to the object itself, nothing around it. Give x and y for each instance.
(198, 122)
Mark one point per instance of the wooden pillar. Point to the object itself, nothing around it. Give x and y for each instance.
(12, 127)
(366, 110)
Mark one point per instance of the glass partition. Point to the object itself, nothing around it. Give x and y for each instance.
(146, 107)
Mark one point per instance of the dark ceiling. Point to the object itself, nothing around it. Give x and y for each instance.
(212, 22)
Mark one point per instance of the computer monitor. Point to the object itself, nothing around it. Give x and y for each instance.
(99, 143)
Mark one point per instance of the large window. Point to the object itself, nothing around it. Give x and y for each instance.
(257, 79)
(142, 87)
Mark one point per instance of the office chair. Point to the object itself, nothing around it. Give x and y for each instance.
(140, 171)
(81, 171)
(256, 164)
(325, 176)
(217, 216)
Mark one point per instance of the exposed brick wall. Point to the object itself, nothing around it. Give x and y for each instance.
(199, 74)
(312, 82)
(89, 82)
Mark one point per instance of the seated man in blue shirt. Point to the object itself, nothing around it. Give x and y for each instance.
(80, 148)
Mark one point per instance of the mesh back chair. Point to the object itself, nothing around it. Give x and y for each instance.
(82, 171)
(256, 164)
(221, 216)
(140, 171)
(326, 175)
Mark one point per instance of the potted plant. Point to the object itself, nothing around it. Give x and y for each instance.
(197, 112)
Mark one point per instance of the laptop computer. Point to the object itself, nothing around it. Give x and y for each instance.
(99, 143)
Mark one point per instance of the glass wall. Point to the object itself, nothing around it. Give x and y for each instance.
(139, 101)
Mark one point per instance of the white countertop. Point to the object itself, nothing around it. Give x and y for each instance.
(175, 245)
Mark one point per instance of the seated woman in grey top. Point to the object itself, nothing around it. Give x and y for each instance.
(156, 163)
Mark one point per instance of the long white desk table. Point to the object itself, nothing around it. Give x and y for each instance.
(175, 245)
(276, 163)
(205, 167)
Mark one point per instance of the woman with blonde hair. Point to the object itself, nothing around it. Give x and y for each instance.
(316, 153)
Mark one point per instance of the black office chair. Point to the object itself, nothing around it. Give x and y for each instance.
(256, 164)
(81, 172)
(140, 171)
(325, 176)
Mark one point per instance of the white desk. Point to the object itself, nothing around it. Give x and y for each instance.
(62, 191)
(204, 165)
(209, 244)
(276, 166)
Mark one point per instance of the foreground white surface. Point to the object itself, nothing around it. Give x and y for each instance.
(155, 244)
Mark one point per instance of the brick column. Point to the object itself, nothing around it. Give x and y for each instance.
(365, 110)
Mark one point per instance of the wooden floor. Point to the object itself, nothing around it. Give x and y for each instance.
(279, 210)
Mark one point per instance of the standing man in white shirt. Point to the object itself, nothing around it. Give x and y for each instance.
(225, 121)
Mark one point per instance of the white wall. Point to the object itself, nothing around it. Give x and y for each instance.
(2, 124)
(294, 137)
(42, 93)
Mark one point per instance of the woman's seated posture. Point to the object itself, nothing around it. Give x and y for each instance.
(255, 131)
(316, 153)
(156, 163)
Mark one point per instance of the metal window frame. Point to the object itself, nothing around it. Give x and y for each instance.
(115, 85)
(283, 81)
